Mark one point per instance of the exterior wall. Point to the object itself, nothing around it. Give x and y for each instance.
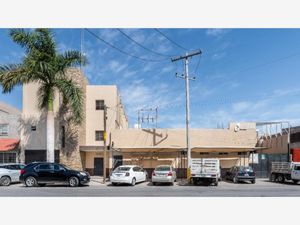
(13, 124)
(75, 134)
(116, 117)
(175, 138)
(11, 116)
(32, 116)
(275, 144)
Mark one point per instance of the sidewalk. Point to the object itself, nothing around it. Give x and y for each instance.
(97, 180)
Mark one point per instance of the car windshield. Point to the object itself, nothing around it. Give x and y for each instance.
(163, 168)
(246, 169)
(121, 169)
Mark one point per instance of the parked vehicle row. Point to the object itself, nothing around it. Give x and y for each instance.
(203, 170)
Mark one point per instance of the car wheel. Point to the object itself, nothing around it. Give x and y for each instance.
(73, 182)
(133, 181)
(295, 181)
(172, 183)
(30, 182)
(5, 181)
(235, 180)
(114, 184)
(253, 181)
(153, 183)
(280, 178)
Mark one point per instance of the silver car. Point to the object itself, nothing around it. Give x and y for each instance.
(8, 176)
(164, 174)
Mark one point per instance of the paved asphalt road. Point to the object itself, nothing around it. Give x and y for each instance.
(262, 188)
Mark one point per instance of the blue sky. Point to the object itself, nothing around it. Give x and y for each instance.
(243, 74)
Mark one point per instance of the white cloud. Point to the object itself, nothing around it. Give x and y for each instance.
(240, 107)
(218, 55)
(117, 67)
(216, 32)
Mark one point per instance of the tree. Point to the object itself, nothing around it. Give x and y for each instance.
(44, 65)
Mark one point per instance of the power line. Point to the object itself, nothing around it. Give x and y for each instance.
(120, 50)
(178, 45)
(267, 63)
(197, 64)
(142, 46)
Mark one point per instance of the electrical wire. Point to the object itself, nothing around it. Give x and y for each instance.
(196, 69)
(267, 63)
(120, 50)
(178, 45)
(142, 46)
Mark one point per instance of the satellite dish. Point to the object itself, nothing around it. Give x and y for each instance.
(237, 127)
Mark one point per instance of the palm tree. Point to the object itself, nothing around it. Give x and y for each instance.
(44, 65)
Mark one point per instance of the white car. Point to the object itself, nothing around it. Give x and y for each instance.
(164, 174)
(130, 174)
(8, 176)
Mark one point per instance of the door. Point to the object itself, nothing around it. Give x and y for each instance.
(14, 174)
(98, 166)
(296, 172)
(60, 174)
(45, 173)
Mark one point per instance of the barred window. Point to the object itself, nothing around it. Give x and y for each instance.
(99, 135)
(8, 157)
(3, 129)
(99, 104)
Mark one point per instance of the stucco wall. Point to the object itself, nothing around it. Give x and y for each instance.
(175, 138)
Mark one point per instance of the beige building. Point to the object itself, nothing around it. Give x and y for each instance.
(152, 147)
(81, 146)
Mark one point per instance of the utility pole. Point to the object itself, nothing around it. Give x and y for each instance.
(187, 95)
(105, 147)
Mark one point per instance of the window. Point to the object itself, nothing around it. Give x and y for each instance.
(297, 168)
(45, 167)
(3, 129)
(59, 168)
(223, 153)
(99, 104)
(33, 128)
(136, 169)
(99, 135)
(6, 157)
(63, 136)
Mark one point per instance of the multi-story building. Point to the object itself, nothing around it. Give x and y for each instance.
(79, 146)
(9, 133)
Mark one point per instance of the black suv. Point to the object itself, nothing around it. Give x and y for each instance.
(42, 173)
(241, 173)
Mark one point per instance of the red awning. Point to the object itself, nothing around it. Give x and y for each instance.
(7, 144)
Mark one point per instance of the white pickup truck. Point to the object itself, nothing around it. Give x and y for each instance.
(205, 170)
(282, 171)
